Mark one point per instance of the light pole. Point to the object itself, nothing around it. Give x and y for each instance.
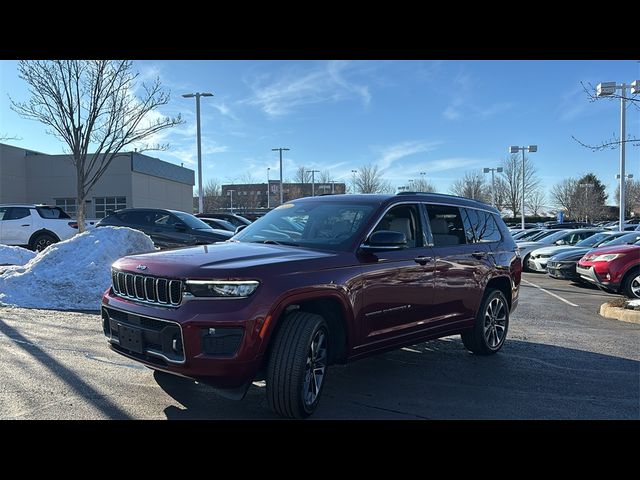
(198, 95)
(586, 187)
(354, 180)
(268, 189)
(530, 149)
(493, 182)
(607, 89)
(627, 176)
(313, 182)
(231, 193)
(281, 189)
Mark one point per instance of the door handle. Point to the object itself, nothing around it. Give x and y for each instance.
(479, 254)
(25, 225)
(423, 260)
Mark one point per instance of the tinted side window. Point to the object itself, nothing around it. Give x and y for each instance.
(52, 212)
(446, 225)
(484, 226)
(136, 218)
(3, 211)
(17, 213)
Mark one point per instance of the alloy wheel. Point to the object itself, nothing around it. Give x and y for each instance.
(495, 322)
(315, 367)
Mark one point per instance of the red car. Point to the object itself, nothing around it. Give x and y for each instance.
(614, 268)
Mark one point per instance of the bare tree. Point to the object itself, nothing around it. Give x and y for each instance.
(91, 104)
(472, 186)
(368, 179)
(303, 175)
(422, 185)
(325, 177)
(212, 193)
(563, 195)
(5, 136)
(536, 202)
(631, 197)
(511, 177)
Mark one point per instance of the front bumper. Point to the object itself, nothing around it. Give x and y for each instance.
(590, 275)
(186, 341)
(538, 264)
(564, 271)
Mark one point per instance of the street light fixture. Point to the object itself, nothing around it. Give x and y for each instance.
(586, 187)
(607, 89)
(198, 95)
(516, 149)
(281, 189)
(493, 182)
(313, 182)
(231, 193)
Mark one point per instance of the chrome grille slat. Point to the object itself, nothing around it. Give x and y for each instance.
(147, 289)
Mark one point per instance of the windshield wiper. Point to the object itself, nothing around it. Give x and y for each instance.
(276, 242)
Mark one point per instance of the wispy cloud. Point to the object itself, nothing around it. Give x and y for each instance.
(462, 105)
(327, 83)
(225, 110)
(393, 153)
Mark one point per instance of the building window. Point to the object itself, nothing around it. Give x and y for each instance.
(106, 205)
(69, 205)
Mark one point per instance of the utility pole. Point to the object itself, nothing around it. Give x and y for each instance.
(280, 149)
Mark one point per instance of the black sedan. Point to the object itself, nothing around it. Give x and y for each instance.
(167, 228)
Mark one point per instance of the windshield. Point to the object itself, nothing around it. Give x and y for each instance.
(191, 221)
(525, 234)
(593, 240)
(622, 239)
(541, 235)
(322, 225)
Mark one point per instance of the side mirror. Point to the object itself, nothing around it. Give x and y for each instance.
(239, 228)
(181, 227)
(385, 240)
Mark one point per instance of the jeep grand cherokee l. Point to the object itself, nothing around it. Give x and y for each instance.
(317, 281)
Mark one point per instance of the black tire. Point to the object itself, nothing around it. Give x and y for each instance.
(525, 263)
(631, 284)
(492, 323)
(42, 241)
(291, 390)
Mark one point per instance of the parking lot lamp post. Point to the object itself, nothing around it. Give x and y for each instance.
(281, 189)
(530, 149)
(313, 182)
(607, 89)
(586, 187)
(493, 182)
(231, 194)
(268, 190)
(354, 180)
(198, 95)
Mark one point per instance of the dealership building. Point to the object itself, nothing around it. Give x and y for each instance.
(132, 180)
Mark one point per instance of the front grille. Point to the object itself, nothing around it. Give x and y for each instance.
(148, 289)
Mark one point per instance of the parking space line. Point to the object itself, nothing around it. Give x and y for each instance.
(550, 293)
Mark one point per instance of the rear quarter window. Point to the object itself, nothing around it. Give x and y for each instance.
(51, 212)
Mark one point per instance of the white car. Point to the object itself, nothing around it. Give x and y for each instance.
(35, 226)
(563, 237)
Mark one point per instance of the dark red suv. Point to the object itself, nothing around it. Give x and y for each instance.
(317, 281)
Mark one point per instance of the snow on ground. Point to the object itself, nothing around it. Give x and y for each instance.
(71, 275)
(15, 255)
(634, 303)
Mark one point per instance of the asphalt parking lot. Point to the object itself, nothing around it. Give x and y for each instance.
(561, 361)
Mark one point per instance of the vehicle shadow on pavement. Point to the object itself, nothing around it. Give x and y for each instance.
(441, 380)
(62, 372)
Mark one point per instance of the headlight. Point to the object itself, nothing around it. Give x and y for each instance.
(222, 288)
(607, 257)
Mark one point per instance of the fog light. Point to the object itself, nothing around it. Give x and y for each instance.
(223, 341)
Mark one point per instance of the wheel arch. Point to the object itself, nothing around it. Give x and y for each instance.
(504, 285)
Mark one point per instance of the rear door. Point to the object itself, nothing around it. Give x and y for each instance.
(17, 226)
(462, 263)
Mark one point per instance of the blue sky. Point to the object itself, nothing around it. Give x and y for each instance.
(441, 117)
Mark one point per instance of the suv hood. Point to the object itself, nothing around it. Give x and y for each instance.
(551, 250)
(572, 254)
(228, 259)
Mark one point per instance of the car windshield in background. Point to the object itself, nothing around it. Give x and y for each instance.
(622, 240)
(322, 225)
(593, 240)
(192, 221)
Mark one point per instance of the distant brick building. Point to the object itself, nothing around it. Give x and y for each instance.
(254, 195)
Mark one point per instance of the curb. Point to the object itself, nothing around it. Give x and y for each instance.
(622, 314)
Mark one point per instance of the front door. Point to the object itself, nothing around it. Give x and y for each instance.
(16, 226)
(398, 285)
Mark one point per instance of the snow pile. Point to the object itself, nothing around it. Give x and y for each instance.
(71, 275)
(15, 255)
